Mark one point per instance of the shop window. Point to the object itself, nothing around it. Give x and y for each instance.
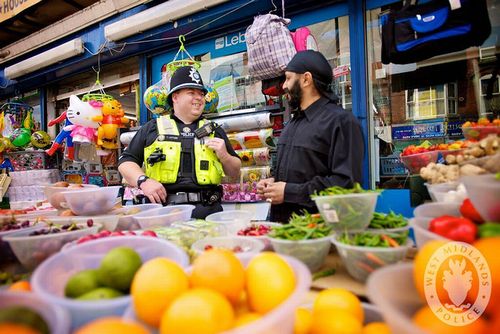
(431, 102)
(490, 95)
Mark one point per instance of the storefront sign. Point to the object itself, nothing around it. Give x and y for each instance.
(229, 44)
(418, 131)
(454, 129)
(10, 8)
(341, 70)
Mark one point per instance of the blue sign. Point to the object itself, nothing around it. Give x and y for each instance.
(229, 44)
(418, 131)
(454, 129)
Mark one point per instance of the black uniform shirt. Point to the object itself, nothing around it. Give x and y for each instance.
(148, 133)
(322, 148)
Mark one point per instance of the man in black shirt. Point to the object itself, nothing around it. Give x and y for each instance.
(179, 167)
(322, 145)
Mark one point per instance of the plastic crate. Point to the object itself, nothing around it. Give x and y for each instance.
(392, 165)
(29, 160)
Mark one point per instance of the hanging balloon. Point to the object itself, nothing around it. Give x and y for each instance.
(20, 137)
(211, 100)
(155, 99)
(40, 139)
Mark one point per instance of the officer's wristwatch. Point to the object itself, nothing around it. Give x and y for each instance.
(140, 180)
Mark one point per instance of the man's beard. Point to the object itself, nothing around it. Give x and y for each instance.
(294, 99)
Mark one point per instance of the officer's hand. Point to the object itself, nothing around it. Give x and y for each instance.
(262, 184)
(218, 145)
(154, 190)
(275, 192)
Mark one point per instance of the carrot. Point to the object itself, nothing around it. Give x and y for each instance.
(391, 241)
(364, 266)
(374, 258)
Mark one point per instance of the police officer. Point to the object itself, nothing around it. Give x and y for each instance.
(184, 156)
(322, 146)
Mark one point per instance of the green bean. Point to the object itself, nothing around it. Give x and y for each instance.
(391, 220)
(302, 227)
(367, 239)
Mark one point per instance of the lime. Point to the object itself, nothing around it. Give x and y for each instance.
(118, 268)
(81, 283)
(101, 293)
(24, 316)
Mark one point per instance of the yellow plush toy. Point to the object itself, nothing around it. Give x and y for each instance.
(111, 119)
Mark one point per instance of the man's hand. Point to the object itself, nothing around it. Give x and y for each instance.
(154, 190)
(262, 184)
(218, 145)
(275, 192)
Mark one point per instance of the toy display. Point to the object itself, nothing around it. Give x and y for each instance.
(40, 139)
(64, 135)
(111, 119)
(155, 98)
(211, 100)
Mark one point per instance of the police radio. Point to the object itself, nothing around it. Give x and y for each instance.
(206, 130)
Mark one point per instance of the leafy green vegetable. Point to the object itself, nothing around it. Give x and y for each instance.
(302, 227)
(367, 239)
(323, 273)
(391, 220)
(336, 190)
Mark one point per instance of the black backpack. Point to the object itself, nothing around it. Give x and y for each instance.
(421, 31)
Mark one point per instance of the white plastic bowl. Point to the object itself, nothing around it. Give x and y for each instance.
(311, 252)
(55, 197)
(55, 316)
(351, 212)
(164, 216)
(439, 191)
(92, 201)
(126, 221)
(433, 210)
(359, 265)
(421, 231)
(484, 193)
(33, 250)
(248, 245)
(279, 320)
(49, 279)
(392, 289)
(106, 222)
(230, 221)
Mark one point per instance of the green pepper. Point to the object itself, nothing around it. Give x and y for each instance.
(489, 229)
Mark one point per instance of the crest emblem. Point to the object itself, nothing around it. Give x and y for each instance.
(195, 76)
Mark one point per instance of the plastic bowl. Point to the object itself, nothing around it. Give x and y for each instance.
(480, 132)
(126, 221)
(421, 231)
(361, 261)
(311, 252)
(439, 190)
(352, 212)
(247, 245)
(371, 313)
(55, 316)
(164, 216)
(433, 210)
(392, 289)
(49, 279)
(33, 250)
(7, 255)
(106, 222)
(264, 238)
(415, 162)
(91, 201)
(484, 193)
(56, 198)
(279, 320)
(230, 221)
(31, 215)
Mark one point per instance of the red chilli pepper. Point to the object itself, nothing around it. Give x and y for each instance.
(468, 210)
(454, 228)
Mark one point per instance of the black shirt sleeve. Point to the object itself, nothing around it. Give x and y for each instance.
(345, 159)
(143, 138)
(220, 133)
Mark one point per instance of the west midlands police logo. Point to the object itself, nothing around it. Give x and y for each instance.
(195, 76)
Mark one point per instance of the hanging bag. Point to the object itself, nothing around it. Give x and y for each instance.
(421, 31)
(269, 45)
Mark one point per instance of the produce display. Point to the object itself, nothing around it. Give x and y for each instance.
(255, 230)
(13, 225)
(368, 239)
(302, 227)
(21, 319)
(480, 129)
(387, 221)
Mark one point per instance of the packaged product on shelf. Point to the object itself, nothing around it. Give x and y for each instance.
(246, 122)
(250, 174)
(237, 192)
(252, 139)
(254, 157)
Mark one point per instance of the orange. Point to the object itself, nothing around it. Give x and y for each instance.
(270, 281)
(219, 270)
(425, 319)
(155, 285)
(20, 286)
(303, 321)
(246, 318)
(338, 322)
(241, 307)
(112, 325)
(423, 256)
(11, 328)
(198, 310)
(489, 247)
(331, 300)
(376, 328)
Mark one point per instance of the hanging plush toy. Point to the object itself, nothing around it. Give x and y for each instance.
(28, 122)
(84, 128)
(111, 119)
(64, 134)
(8, 127)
